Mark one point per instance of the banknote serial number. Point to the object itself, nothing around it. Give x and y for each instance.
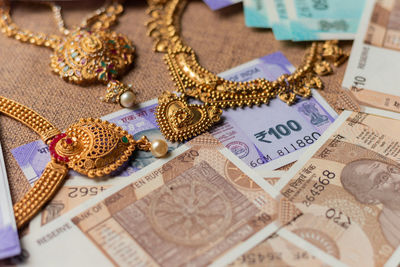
(319, 187)
(300, 143)
(256, 258)
(84, 191)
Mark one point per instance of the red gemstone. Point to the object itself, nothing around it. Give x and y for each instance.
(111, 66)
(99, 70)
(68, 141)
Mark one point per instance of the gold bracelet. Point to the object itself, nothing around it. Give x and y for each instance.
(178, 120)
(91, 147)
(90, 53)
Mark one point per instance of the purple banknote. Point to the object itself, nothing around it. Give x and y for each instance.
(270, 136)
(9, 241)
(217, 4)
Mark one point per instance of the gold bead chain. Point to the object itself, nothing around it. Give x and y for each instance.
(29, 117)
(42, 191)
(102, 18)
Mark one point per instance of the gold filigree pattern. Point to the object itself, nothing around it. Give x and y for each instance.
(195, 81)
(179, 121)
(85, 57)
(94, 147)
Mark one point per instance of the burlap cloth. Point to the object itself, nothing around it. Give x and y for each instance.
(220, 39)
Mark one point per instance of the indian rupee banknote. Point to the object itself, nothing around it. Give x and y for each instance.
(256, 13)
(271, 136)
(218, 4)
(193, 209)
(264, 142)
(280, 22)
(370, 75)
(347, 186)
(279, 250)
(9, 240)
(324, 19)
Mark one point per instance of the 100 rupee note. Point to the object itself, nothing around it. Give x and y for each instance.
(348, 188)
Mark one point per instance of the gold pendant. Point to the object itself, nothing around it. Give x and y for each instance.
(84, 57)
(179, 121)
(93, 147)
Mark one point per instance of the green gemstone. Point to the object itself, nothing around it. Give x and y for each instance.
(114, 72)
(111, 41)
(102, 76)
(103, 64)
(124, 139)
(128, 46)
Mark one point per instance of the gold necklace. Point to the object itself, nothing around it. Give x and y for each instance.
(87, 54)
(91, 147)
(178, 120)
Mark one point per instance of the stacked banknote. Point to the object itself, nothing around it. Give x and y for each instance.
(222, 197)
(301, 20)
(218, 199)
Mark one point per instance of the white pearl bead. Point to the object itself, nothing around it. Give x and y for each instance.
(159, 148)
(127, 99)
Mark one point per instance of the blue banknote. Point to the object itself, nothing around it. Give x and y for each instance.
(280, 22)
(33, 157)
(218, 4)
(256, 13)
(324, 19)
(9, 241)
(271, 136)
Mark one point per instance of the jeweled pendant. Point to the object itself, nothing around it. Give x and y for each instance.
(85, 57)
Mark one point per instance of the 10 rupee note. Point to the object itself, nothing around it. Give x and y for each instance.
(348, 188)
(371, 74)
(191, 209)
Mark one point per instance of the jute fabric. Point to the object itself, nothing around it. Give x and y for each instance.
(221, 40)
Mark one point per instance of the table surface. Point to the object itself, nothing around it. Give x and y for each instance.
(220, 39)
